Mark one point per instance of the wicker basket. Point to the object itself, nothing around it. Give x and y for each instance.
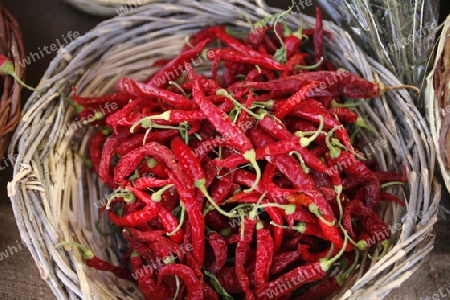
(438, 106)
(107, 8)
(11, 45)
(54, 195)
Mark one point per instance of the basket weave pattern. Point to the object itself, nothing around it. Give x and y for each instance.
(11, 46)
(107, 7)
(54, 194)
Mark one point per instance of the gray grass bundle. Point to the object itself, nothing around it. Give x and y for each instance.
(55, 196)
(397, 33)
(438, 107)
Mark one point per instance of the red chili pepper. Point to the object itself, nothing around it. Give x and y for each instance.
(292, 280)
(282, 260)
(194, 212)
(370, 221)
(220, 249)
(234, 56)
(143, 183)
(390, 197)
(141, 89)
(256, 36)
(121, 99)
(292, 44)
(161, 79)
(331, 84)
(229, 281)
(353, 167)
(207, 33)
(242, 248)
(136, 218)
(131, 160)
(245, 50)
(94, 262)
(264, 255)
(95, 149)
(321, 290)
(236, 138)
(295, 99)
(136, 141)
(221, 188)
(318, 35)
(344, 114)
(194, 286)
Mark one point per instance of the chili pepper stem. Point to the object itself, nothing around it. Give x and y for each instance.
(8, 69)
(251, 157)
(182, 216)
(340, 278)
(386, 244)
(327, 263)
(334, 103)
(362, 124)
(313, 208)
(384, 88)
(87, 253)
(157, 195)
(385, 185)
(311, 67)
(200, 184)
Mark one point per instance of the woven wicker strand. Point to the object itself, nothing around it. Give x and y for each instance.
(11, 46)
(54, 194)
(107, 8)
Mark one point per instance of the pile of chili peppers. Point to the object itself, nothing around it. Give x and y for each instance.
(246, 181)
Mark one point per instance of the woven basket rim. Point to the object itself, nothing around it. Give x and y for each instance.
(64, 272)
(11, 36)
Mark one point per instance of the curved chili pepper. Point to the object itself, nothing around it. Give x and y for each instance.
(95, 149)
(353, 167)
(236, 138)
(194, 286)
(128, 162)
(141, 89)
(194, 212)
(229, 281)
(135, 141)
(220, 249)
(292, 280)
(161, 78)
(245, 50)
